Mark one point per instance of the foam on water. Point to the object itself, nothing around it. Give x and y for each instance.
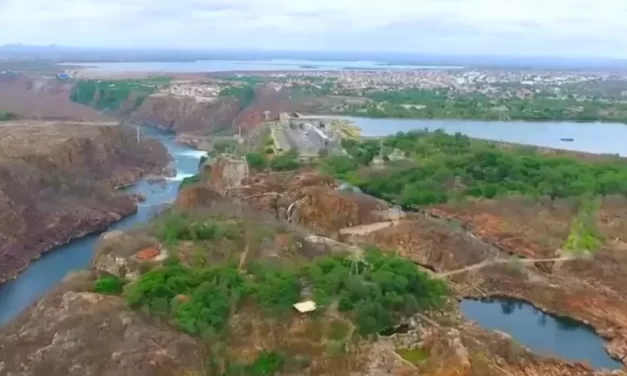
(196, 154)
(180, 176)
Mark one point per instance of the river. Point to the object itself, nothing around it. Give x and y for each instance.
(49, 270)
(600, 138)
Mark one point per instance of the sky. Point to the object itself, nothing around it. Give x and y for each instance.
(564, 28)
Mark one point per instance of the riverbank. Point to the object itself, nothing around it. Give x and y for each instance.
(601, 138)
(51, 267)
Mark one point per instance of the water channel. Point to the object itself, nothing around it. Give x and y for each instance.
(48, 271)
(540, 332)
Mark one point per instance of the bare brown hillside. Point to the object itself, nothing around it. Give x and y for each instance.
(41, 98)
(57, 180)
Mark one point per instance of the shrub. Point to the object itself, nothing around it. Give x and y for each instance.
(108, 285)
(255, 161)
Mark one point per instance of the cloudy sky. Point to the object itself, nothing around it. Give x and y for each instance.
(596, 28)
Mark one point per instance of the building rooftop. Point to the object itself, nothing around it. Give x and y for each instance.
(306, 306)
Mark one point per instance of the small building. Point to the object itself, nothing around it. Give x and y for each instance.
(307, 306)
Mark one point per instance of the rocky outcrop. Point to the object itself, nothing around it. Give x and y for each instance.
(186, 114)
(76, 333)
(195, 196)
(57, 183)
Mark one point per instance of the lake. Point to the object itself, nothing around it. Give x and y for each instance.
(600, 138)
(246, 65)
(542, 333)
(48, 271)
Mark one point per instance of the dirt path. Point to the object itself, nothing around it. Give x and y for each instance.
(500, 261)
(366, 229)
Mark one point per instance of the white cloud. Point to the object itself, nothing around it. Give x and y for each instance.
(566, 27)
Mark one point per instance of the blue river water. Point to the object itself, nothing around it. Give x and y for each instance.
(599, 138)
(544, 334)
(246, 65)
(49, 270)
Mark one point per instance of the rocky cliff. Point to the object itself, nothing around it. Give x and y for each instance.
(186, 114)
(73, 332)
(57, 183)
(189, 117)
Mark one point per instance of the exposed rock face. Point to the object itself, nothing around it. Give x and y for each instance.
(195, 196)
(591, 289)
(187, 115)
(41, 98)
(74, 333)
(227, 174)
(57, 180)
(303, 197)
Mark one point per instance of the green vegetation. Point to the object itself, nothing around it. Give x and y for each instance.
(584, 235)
(174, 227)
(285, 162)
(111, 95)
(414, 356)
(255, 161)
(244, 94)
(338, 330)
(446, 104)
(382, 288)
(108, 285)
(374, 292)
(438, 167)
(190, 180)
(268, 363)
(6, 116)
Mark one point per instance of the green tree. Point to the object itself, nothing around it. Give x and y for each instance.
(255, 161)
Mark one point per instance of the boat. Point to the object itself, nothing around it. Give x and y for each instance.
(567, 139)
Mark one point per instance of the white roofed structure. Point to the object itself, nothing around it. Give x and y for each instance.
(306, 306)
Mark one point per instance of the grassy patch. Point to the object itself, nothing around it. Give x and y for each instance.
(414, 356)
(337, 330)
(583, 235)
(108, 285)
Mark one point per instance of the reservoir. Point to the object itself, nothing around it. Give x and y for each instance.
(276, 65)
(599, 138)
(542, 333)
(48, 271)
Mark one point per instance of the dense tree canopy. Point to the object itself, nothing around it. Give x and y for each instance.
(438, 166)
(448, 104)
(374, 292)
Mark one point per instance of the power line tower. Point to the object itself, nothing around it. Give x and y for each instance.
(356, 260)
